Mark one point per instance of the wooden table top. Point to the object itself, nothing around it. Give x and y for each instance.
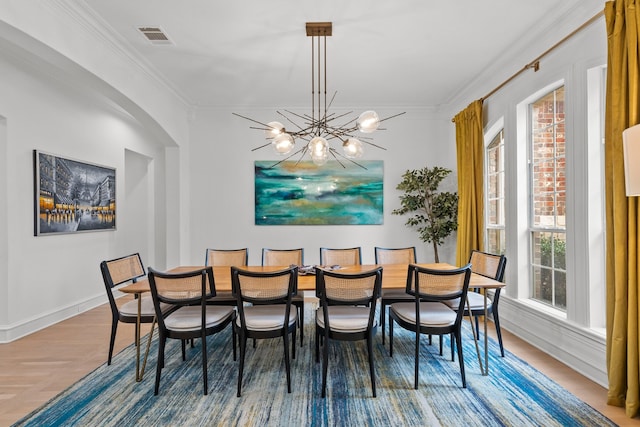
(394, 276)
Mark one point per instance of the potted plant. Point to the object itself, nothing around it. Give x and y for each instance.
(435, 212)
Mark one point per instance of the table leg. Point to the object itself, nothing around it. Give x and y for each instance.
(486, 339)
(475, 338)
(138, 376)
(146, 353)
(140, 370)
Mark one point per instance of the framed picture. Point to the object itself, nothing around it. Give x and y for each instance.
(302, 193)
(71, 196)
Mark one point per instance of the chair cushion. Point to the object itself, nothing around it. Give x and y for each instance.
(346, 318)
(476, 301)
(397, 294)
(223, 296)
(189, 318)
(431, 313)
(130, 308)
(266, 317)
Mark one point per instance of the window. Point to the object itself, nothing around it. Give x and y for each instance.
(547, 205)
(495, 233)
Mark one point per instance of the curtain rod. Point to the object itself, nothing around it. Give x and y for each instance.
(535, 64)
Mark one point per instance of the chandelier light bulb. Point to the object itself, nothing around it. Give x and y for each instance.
(318, 147)
(368, 122)
(274, 129)
(352, 148)
(283, 143)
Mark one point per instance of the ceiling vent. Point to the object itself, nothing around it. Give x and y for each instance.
(155, 35)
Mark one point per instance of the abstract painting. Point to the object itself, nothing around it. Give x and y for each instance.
(72, 196)
(302, 193)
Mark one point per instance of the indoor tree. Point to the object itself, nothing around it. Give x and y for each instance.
(435, 212)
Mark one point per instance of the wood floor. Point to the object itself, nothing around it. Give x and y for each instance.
(36, 368)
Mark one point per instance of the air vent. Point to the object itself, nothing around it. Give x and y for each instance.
(155, 35)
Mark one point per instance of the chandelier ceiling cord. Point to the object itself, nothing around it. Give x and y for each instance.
(319, 128)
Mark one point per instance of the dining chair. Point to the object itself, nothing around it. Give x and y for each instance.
(192, 318)
(428, 314)
(341, 257)
(115, 272)
(347, 312)
(264, 310)
(288, 257)
(225, 258)
(282, 257)
(493, 267)
(389, 296)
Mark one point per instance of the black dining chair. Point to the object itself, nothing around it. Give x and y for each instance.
(347, 312)
(264, 310)
(115, 272)
(428, 314)
(493, 267)
(225, 258)
(284, 258)
(389, 296)
(342, 257)
(193, 318)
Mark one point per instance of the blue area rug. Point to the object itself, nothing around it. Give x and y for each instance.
(514, 393)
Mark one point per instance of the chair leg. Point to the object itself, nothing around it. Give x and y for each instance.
(286, 359)
(496, 321)
(114, 327)
(243, 347)
(159, 363)
(293, 345)
(415, 380)
(451, 338)
(233, 338)
(204, 363)
(390, 336)
(371, 367)
(461, 359)
(184, 354)
(301, 322)
(325, 362)
(317, 344)
(383, 309)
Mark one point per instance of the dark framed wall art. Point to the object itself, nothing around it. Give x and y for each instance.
(302, 193)
(72, 196)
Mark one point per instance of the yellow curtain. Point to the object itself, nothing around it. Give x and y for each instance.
(470, 155)
(622, 104)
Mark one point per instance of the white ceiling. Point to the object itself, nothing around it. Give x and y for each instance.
(256, 52)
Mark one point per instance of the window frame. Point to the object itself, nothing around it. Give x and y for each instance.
(533, 229)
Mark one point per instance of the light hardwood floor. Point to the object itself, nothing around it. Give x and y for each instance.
(36, 368)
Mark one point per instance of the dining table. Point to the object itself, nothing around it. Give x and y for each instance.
(394, 276)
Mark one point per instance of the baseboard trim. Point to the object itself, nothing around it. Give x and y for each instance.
(581, 349)
(9, 333)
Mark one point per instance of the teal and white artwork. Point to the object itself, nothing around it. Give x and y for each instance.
(302, 193)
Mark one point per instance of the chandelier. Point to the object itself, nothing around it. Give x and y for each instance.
(319, 130)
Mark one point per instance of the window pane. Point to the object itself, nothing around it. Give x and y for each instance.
(495, 241)
(548, 199)
(560, 287)
(494, 195)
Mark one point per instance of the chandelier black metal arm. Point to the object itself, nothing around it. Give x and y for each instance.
(320, 127)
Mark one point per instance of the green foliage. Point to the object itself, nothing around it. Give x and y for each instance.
(436, 212)
(549, 286)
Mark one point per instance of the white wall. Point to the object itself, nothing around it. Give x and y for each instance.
(575, 337)
(221, 176)
(51, 277)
